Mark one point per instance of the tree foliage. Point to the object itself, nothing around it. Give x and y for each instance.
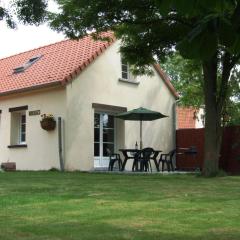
(26, 11)
(30, 11)
(187, 78)
(194, 27)
(232, 109)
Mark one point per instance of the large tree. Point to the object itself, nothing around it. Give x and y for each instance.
(207, 31)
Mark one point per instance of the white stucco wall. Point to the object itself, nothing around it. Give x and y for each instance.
(41, 152)
(99, 83)
(200, 119)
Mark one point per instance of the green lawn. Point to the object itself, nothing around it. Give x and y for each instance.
(56, 206)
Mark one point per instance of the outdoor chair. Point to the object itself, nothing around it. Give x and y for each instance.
(168, 159)
(143, 158)
(113, 158)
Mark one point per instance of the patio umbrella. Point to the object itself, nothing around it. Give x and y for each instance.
(140, 114)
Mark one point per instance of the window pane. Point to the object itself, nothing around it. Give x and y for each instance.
(23, 137)
(23, 119)
(23, 129)
(108, 121)
(108, 135)
(124, 75)
(124, 68)
(107, 146)
(96, 135)
(96, 120)
(96, 149)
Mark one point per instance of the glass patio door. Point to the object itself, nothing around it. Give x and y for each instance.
(103, 138)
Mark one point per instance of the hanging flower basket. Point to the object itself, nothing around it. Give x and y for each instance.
(48, 122)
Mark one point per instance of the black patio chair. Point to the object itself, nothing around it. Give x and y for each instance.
(168, 159)
(113, 158)
(143, 158)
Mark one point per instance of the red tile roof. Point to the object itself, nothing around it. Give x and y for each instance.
(60, 62)
(185, 117)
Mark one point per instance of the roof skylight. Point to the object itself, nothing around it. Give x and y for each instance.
(27, 64)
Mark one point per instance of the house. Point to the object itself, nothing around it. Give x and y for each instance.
(190, 117)
(82, 84)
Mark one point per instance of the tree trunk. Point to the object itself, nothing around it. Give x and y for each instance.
(212, 144)
(215, 94)
(212, 120)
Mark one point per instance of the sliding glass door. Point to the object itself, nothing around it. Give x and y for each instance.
(104, 131)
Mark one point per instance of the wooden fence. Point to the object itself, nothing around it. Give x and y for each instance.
(230, 151)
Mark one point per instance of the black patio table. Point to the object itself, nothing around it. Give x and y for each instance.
(130, 153)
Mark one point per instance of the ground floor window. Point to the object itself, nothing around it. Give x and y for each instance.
(18, 128)
(104, 135)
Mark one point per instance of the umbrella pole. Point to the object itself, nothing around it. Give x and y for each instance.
(141, 144)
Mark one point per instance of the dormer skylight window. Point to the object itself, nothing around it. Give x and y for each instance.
(27, 64)
(18, 69)
(34, 59)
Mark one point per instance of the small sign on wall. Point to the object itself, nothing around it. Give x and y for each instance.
(34, 113)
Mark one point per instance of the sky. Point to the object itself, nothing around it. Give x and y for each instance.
(25, 38)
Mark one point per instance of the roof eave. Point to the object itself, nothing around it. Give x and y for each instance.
(70, 77)
(28, 89)
(166, 80)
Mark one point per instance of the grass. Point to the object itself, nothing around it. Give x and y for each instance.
(69, 206)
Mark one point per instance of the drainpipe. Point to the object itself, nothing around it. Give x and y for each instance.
(175, 114)
(175, 124)
(60, 144)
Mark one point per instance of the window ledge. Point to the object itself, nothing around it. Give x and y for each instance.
(18, 146)
(129, 81)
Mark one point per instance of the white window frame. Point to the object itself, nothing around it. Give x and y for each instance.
(18, 126)
(125, 72)
(21, 123)
(130, 78)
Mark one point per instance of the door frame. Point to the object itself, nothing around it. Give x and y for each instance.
(101, 161)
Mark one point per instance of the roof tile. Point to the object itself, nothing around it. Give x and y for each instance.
(185, 116)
